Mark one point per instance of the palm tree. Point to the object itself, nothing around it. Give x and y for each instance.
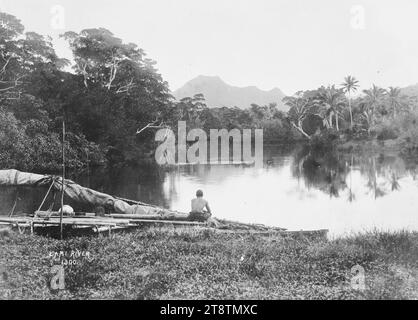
(331, 100)
(349, 85)
(373, 99)
(395, 99)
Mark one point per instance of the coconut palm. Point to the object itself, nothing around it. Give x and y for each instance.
(350, 85)
(395, 99)
(373, 99)
(331, 100)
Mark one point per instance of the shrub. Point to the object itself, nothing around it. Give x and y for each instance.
(31, 145)
(409, 134)
(387, 130)
(387, 134)
(324, 141)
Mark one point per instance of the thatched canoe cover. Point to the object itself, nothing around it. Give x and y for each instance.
(75, 192)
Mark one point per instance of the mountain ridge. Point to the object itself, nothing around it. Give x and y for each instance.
(411, 90)
(218, 93)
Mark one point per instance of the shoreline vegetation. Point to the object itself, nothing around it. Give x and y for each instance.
(199, 263)
(114, 100)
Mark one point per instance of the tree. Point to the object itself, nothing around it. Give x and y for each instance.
(190, 108)
(299, 109)
(330, 100)
(102, 57)
(395, 99)
(350, 85)
(121, 92)
(372, 100)
(20, 55)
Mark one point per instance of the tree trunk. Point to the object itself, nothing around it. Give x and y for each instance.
(336, 122)
(351, 112)
(300, 130)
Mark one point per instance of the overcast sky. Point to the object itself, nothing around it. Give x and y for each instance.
(290, 44)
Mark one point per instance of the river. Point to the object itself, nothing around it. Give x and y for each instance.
(295, 189)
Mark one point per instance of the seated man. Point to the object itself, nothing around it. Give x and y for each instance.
(198, 208)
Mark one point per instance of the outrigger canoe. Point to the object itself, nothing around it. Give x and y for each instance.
(125, 213)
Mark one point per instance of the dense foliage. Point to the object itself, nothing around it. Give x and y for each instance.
(113, 90)
(114, 96)
(384, 114)
(277, 128)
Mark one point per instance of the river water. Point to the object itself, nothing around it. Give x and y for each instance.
(295, 189)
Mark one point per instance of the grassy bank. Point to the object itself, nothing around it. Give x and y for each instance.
(198, 263)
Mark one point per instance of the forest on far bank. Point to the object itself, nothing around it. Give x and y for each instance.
(114, 90)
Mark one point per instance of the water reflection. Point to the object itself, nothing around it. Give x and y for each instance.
(333, 172)
(296, 189)
(323, 170)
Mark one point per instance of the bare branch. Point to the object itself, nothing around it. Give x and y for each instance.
(152, 125)
(126, 87)
(82, 68)
(3, 70)
(300, 130)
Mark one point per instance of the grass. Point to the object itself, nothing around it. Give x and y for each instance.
(200, 264)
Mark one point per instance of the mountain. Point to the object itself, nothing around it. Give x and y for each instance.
(218, 93)
(410, 90)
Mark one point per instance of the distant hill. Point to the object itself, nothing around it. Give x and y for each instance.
(218, 93)
(410, 90)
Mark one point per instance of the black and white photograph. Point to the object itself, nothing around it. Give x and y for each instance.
(223, 152)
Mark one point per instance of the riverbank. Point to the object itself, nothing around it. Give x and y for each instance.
(371, 145)
(197, 263)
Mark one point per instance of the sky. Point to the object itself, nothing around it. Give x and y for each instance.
(290, 44)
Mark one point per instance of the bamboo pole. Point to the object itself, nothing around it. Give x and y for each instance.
(14, 205)
(46, 196)
(63, 172)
